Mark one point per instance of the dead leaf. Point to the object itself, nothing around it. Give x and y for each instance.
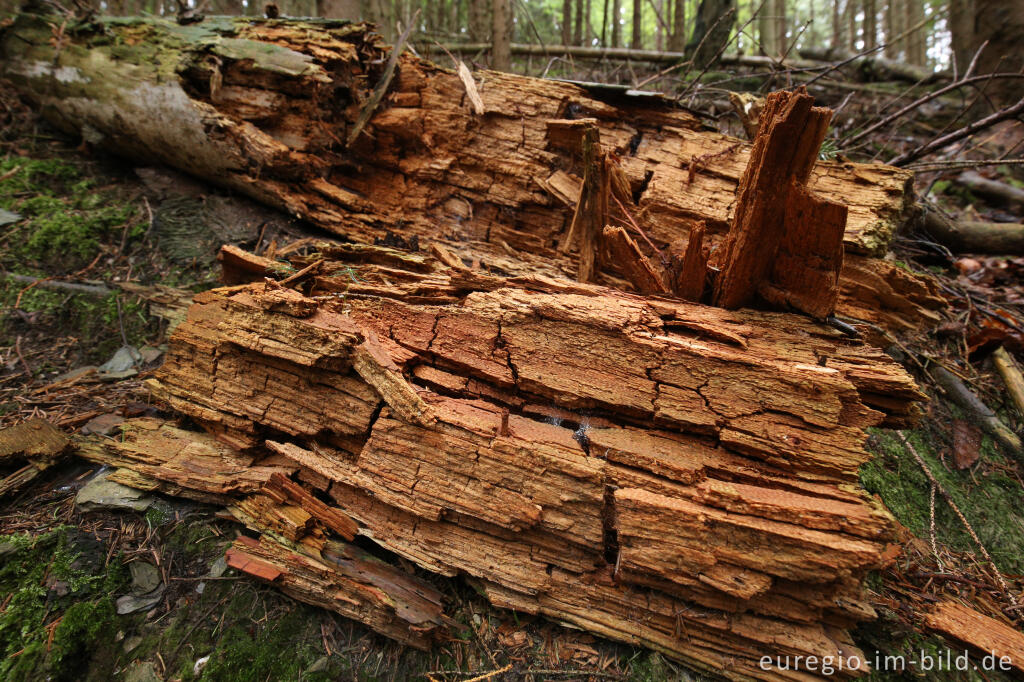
(966, 443)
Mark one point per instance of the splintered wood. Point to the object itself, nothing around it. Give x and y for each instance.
(26, 450)
(655, 471)
(785, 245)
(490, 174)
(501, 405)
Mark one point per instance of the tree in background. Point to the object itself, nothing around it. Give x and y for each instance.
(715, 19)
(921, 32)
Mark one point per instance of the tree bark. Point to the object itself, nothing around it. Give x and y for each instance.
(677, 43)
(711, 30)
(780, 27)
(578, 30)
(480, 24)
(616, 23)
(915, 42)
(961, 25)
(1001, 23)
(637, 39)
(567, 22)
(766, 29)
(870, 24)
(837, 25)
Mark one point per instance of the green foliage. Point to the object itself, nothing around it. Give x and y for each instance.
(989, 499)
(829, 149)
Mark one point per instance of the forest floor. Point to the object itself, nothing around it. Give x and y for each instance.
(86, 217)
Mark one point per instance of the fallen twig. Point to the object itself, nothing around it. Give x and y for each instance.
(986, 418)
(963, 519)
(1011, 374)
(959, 134)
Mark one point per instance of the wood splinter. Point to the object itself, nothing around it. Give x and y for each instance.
(687, 276)
(628, 258)
(785, 245)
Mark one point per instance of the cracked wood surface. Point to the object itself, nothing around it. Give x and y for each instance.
(269, 114)
(659, 472)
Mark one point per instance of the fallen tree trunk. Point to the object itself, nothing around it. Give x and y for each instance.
(659, 472)
(974, 236)
(656, 471)
(265, 107)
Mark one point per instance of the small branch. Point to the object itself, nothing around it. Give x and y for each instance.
(986, 418)
(957, 135)
(963, 519)
(922, 101)
(1011, 374)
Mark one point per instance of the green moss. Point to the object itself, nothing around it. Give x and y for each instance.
(195, 539)
(93, 321)
(241, 655)
(57, 583)
(990, 500)
(66, 216)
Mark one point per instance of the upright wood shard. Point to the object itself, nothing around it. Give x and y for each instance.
(785, 244)
(688, 275)
(591, 212)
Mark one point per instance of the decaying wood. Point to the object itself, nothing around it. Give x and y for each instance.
(632, 262)
(659, 472)
(290, 92)
(26, 450)
(986, 636)
(785, 244)
(688, 275)
(1009, 370)
(294, 552)
(654, 470)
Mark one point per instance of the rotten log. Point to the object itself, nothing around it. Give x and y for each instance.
(268, 115)
(157, 456)
(27, 450)
(659, 472)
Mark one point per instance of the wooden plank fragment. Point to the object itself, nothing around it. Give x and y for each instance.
(987, 636)
(26, 450)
